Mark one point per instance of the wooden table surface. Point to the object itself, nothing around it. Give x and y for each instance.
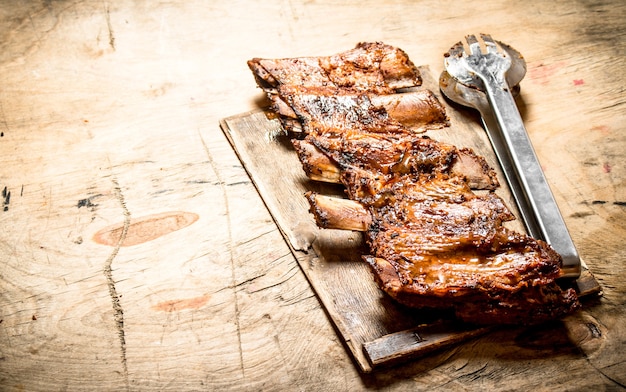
(136, 253)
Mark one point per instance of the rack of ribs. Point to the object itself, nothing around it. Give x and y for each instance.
(433, 224)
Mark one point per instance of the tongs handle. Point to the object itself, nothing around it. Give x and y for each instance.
(548, 223)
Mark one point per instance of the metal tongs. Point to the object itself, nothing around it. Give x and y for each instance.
(485, 76)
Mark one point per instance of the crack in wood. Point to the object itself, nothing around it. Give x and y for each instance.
(3, 119)
(108, 273)
(109, 27)
(603, 373)
(6, 198)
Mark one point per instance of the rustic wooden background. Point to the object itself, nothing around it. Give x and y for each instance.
(137, 255)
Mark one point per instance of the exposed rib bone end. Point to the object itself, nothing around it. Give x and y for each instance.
(316, 165)
(337, 213)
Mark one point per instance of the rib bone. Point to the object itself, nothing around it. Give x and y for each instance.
(338, 213)
(318, 166)
(418, 111)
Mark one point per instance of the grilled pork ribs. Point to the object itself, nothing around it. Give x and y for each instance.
(433, 224)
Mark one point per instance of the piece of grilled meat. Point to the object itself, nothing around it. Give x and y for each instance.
(433, 241)
(417, 111)
(374, 67)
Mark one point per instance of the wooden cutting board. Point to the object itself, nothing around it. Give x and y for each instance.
(375, 330)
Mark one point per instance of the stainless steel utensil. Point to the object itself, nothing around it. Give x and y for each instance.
(482, 79)
(477, 99)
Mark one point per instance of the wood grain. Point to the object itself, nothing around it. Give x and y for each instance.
(109, 113)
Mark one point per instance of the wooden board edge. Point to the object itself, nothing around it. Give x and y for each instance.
(417, 342)
(586, 285)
